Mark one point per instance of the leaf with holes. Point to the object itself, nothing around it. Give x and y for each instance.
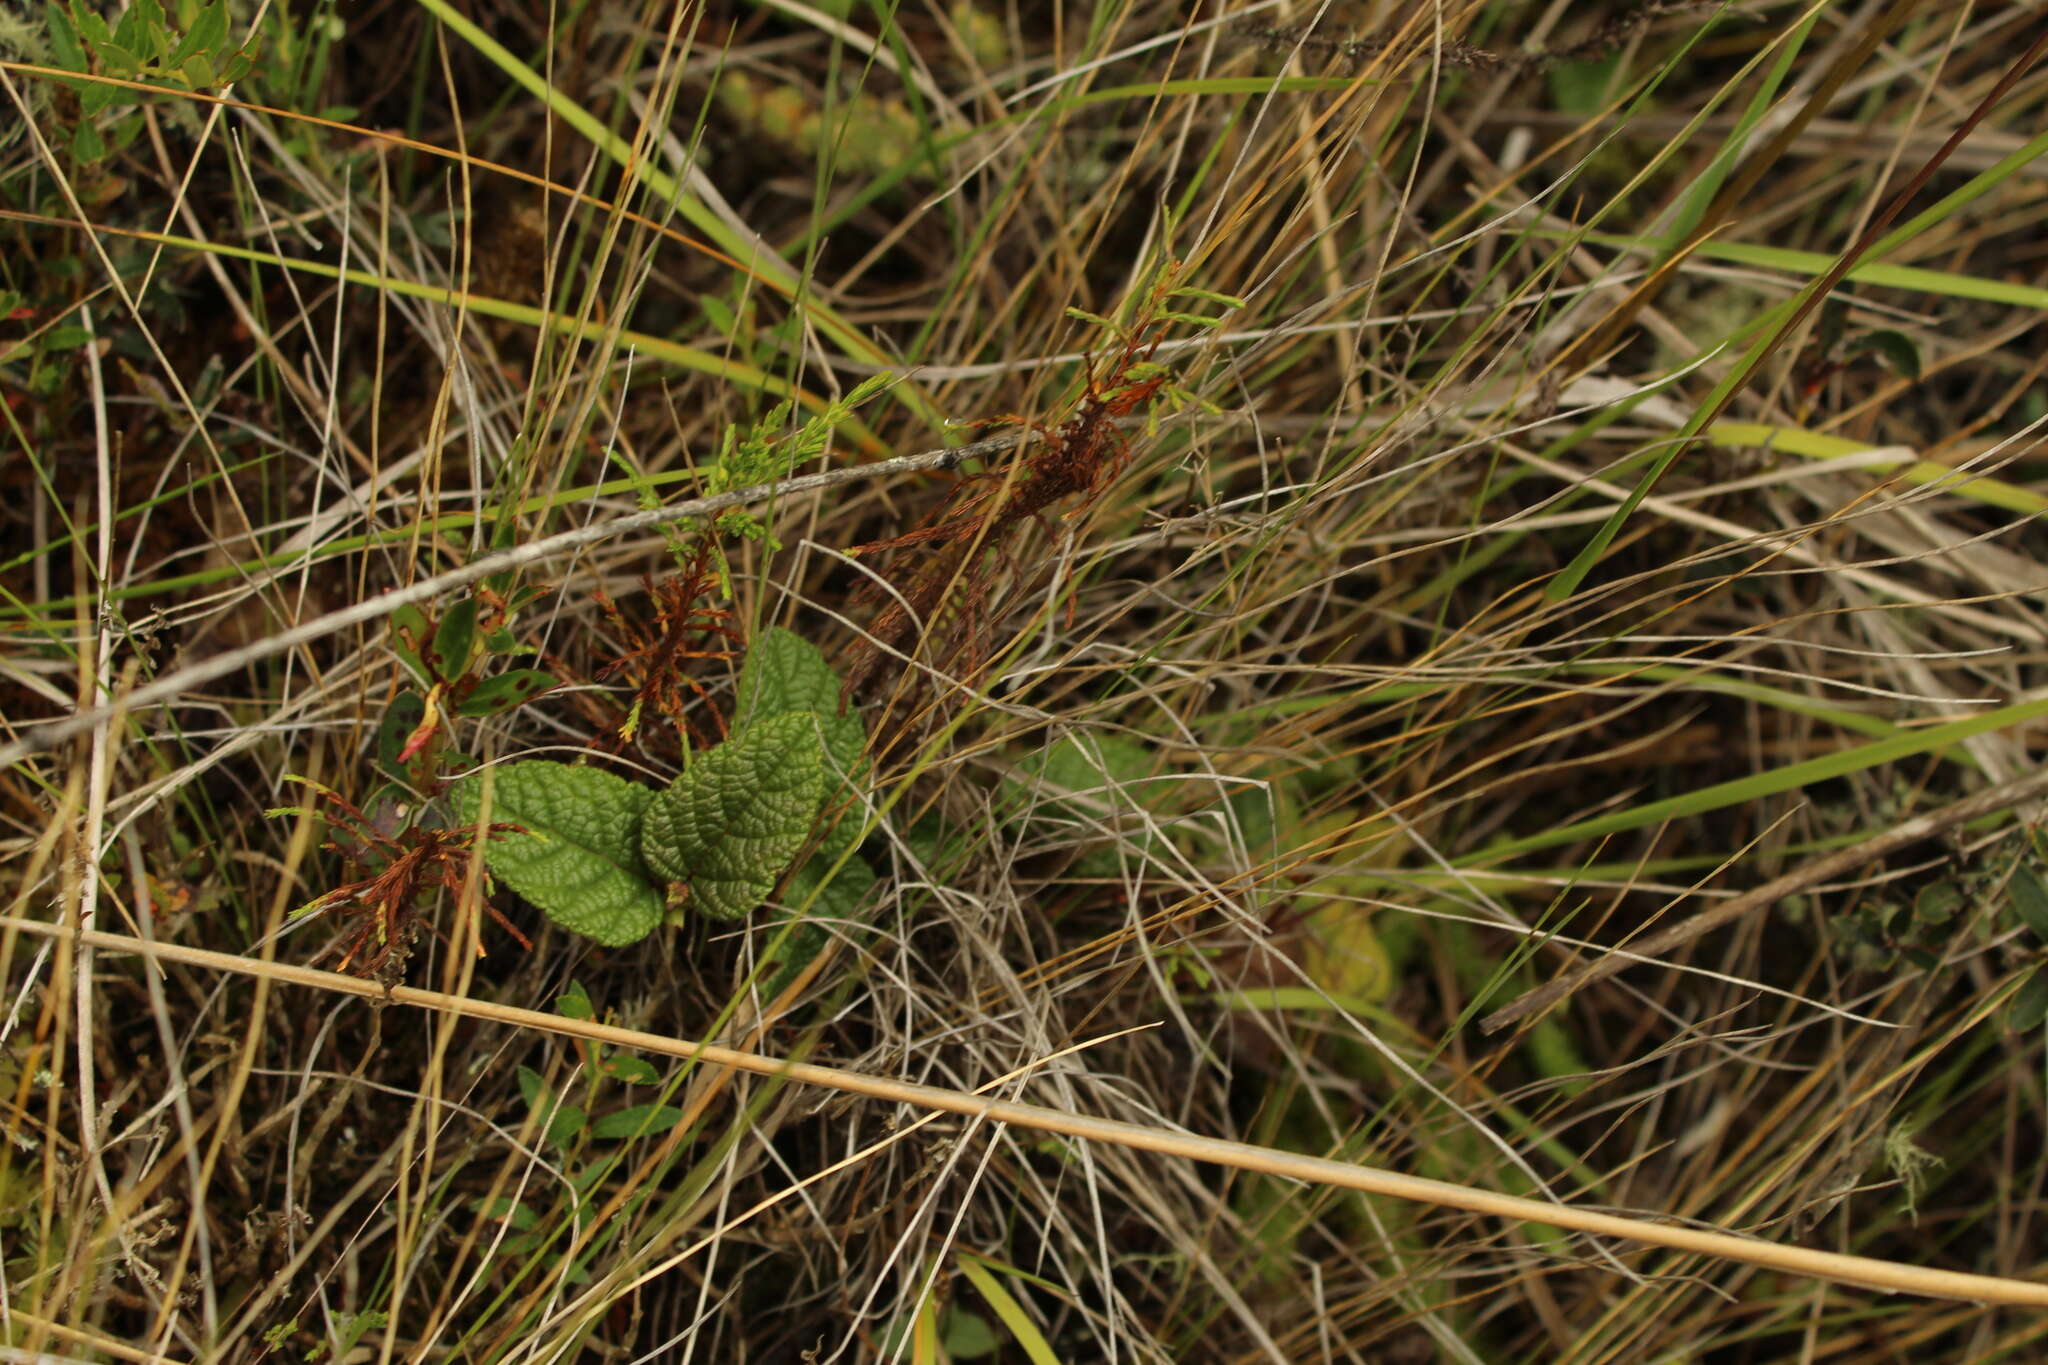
(735, 819)
(578, 859)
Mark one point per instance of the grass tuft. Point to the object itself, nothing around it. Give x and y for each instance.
(1418, 630)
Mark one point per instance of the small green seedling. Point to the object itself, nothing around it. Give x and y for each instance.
(187, 48)
(768, 452)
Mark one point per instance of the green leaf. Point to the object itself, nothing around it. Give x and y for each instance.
(125, 131)
(409, 640)
(979, 1272)
(642, 1120)
(64, 47)
(207, 35)
(1091, 787)
(91, 26)
(565, 1124)
(1582, 87)
(518, 1215)
(1938, 901)
(633, 1070)
(785, 673)
(401, 718)
(739, 815)
(839, 897)
(847, 823)
(131, 34)
(449, 654)
(559, 1122)
(578, 860)
(2029, 1006)
(2029, 901)
(119, 62)
(574, 1003)
(85, 143)
(531, 1087)
(967, 1335)
(1833, 325)
(1098, 768)
(1190, 291)
(506, 690)
(155, 31)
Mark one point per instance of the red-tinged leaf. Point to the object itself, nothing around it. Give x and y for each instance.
(401, 718)
(410, 627)
(424, 731)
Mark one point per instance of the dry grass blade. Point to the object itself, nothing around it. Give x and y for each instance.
(1826, 1265)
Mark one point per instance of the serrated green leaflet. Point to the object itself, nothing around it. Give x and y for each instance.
(578, 860)
(735, 820)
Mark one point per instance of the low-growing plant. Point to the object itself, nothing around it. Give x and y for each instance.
(448, 658)
(612, 859)
(768, 451)
(1894, 934)
(404, 866)
(188, 48)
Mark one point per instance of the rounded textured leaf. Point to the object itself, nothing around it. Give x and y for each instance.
(579, 860)
(785, 672)
(739, 815)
